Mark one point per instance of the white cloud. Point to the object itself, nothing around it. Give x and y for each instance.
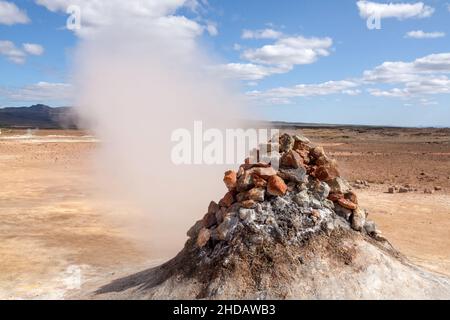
(152, 16)
(419, 34)
(212, 29)
(306, 90)
(16, 55)
(33, 49)
(41, 92)
(423, 76)
(290, 51)
(11, 52)
(10, 14)
(402, 72)
(249, 71)
(261, 34)
(394, 10)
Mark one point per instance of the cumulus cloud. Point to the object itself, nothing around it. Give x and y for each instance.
(249, 71)
(10, 14)
(419, 34)
(16, 55)
(426, 75)
(261, 34)
(11, 52)
(290, 51)
(306, 90)
(400, 11)
(33, 49)
(41, 92)
(153, 16)
(279, 57)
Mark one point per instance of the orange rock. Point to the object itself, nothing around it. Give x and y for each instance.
(347, 204)
(326, 172)
(203, 237)
(276, 186)
(227, 200)
(256, 194)
(264, 173)
(258, 181)
(291, 160)
(248, 204)
(230, 179)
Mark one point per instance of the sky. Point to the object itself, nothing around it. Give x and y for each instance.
(326, 61)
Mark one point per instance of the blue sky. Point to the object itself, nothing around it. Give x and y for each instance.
(308, 61)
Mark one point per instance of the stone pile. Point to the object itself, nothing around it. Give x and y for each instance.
(305, 195)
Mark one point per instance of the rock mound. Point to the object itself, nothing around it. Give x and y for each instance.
(292, 233)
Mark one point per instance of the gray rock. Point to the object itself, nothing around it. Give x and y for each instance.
(315, 203)
(322, 190)
(247, 215)
(328, 204)
(286, 143)
(358, 220)
(302, 139)
(295, 175)
(339, 185)
(302, 199)
(370, 227)
(343, 212)
(226, 228)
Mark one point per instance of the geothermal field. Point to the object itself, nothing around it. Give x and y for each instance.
(64, 236)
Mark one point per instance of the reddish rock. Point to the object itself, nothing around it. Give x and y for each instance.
(248, 204)
(209, 220)
(264, 173)
(249, 166)
(276, 186)
(227, 200)
(335, 196)
(230, 179)
(291, 160)
(326, 172)
(258, 181)
(347, 204)
(213, 207)
(245, 181)
(203, 237)
(352, 197)
(256, 194)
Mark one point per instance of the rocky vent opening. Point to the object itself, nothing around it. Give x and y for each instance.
(296, 232)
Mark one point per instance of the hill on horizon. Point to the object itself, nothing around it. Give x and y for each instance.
(38, 116)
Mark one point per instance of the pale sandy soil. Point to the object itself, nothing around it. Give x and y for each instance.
(53, 224)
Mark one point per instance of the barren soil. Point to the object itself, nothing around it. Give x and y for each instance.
(53, 225)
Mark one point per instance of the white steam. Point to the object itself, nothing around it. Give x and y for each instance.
(134, 89)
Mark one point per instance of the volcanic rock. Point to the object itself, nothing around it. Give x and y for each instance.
(227, 200)
(230, 179)
(286, 143)
(276, 186)
(203, 237)
(308, 241)
(291, 160)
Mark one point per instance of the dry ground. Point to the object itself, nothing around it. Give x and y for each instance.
(53, 225)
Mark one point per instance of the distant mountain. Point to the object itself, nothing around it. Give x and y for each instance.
(38, 116)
